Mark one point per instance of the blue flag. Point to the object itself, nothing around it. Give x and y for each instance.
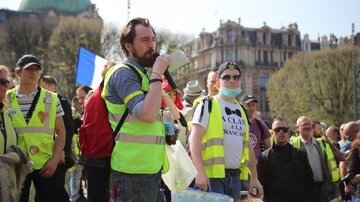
(89, 68)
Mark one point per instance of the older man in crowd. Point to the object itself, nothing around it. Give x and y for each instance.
(316, 157)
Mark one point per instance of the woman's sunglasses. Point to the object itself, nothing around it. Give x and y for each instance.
(4, 82)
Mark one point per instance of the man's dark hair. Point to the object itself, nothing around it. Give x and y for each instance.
(280, 119)
(85, 88)
(48, 80)
(128, 32)
(314, 123)
(75, 99)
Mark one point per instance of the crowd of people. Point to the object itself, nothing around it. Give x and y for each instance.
(232, 149)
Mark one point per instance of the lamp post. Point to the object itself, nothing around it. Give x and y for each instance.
(354, 71)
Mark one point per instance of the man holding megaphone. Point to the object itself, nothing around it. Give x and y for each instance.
(139, 157)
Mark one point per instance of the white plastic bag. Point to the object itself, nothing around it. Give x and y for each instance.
(182, 170)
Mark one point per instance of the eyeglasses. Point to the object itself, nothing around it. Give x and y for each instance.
(4, 82)
(228, 77)
(283, 129)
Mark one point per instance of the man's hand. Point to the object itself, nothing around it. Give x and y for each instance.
(256, 183)
(161, 64)
(202, 181)
(49, 168)
(348, 189)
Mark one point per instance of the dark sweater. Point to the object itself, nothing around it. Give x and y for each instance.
(285, 174)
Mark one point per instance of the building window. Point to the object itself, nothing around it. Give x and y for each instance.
(263, 81)
(264, 38)
(229, 56)
(266, 60)
(32, 17)
(229, 36)
(2, 16)
(289, 40)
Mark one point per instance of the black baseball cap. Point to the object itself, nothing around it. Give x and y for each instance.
(27, 60)
(228, 65)
(248, 98)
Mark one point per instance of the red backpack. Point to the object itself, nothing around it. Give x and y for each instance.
(96, 137)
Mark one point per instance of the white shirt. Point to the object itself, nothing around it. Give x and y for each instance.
(313, 158)
(233, 129)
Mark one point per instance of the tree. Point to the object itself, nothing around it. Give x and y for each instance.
(24, 36)
(71, 34)
(111, 47)
(317, 84)
(168, 42)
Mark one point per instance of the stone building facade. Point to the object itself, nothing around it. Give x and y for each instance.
(258, 51)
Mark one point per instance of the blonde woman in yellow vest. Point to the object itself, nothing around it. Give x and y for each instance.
(8, 136)
(10, 186)
(139, 157)
(41, 133)
(219, 141)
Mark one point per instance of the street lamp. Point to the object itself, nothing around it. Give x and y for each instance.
(354, 71)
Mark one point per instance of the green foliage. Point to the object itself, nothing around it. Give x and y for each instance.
(318, 84)
(56, 41)
(75, 33)
(168, 42)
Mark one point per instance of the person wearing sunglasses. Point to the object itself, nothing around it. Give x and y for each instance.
(219, 140)
(284, 171)
(316, 157)
(9, 161)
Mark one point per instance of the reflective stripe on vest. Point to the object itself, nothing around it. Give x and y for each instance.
(213, 148)
(11, 137)
(37, 136)
(139, 146)
(335, 173)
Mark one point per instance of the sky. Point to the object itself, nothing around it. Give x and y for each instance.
(314, 17)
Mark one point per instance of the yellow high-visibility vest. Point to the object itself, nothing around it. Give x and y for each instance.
(213, 148)
(11, 137)
(37, 136)
(139, 146)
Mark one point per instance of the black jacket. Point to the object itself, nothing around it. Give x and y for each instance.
(354, 163)
(285, 174)
(69, 128)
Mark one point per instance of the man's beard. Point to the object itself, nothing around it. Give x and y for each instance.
(143, 60)
(316, 135)
(307, 133)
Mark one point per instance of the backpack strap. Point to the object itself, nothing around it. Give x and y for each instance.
(208, 98)
(262, 132)
(123, 117)
(33, 104)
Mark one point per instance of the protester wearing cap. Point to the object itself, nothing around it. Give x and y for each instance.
(219, 140)
(259, 132)
(192, 91)
(37, 116)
